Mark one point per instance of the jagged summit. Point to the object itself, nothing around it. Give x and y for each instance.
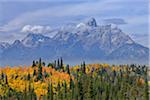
(92, 22)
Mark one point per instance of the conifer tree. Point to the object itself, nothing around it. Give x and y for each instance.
(80, 90)
(2, 76)
(61, 63)
(50, 65)
(58, 64)
(33, 64)
(50, 92)
(39, 77)
(55, 64)
(6, 80)
(28, 77)
(92, 91)
(72, 86)
(84, 68)
(43, 63)
(68, 70)
(34, 72)
(146, 85)
(59, 90)
(65, 89)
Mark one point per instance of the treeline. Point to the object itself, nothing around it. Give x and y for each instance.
(57, 81)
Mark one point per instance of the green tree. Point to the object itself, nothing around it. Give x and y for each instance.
(72, 88)
(33, 64)
(28, 77)
(68, 70)
(80, 90)
(50, 92)
(39, 77)
(61, 64)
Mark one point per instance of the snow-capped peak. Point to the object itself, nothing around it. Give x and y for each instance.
(34, 39)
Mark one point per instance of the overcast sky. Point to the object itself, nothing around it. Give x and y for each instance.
(130, 15)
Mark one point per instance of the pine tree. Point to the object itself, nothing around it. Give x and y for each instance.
(50, 92)
(34, 72)
(84, 68)
(43, 63)
(50, 65)
(68, 70)
(39, 77)
(80, 90)
(72, 86)
(61, 63)
(6, 80)
(2, 76)
(28, 77)
(58, 64)
(146, 96)
(33, 64)
(37, 63)
(92, 91)
(65, 89)
(59, 91)
(55, 64)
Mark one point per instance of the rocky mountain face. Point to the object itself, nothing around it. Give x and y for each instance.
(85, 41)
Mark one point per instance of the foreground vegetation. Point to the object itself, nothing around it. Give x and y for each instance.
(58, 81)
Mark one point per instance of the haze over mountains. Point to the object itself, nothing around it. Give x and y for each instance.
(87, 41)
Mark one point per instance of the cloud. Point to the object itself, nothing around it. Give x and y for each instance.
(117, 21)
(38, 29)
(57, 15)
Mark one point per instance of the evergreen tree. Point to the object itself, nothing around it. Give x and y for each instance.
(68, 70)
(61, 63)
(146, 96)
(92, 91)
(50, 65)
(72, 86)
(37, 63)
(28, 77)
(43, 63)
(6, 80)
(55, 64)
(84, 68)
(65, 89)
(58, 64)
(50, 92)
(80, 90)
(59, 91)
(34, 72)
(33, 64)
(39, 77)
(2, 76)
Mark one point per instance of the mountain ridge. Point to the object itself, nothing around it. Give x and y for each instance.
(86, 40)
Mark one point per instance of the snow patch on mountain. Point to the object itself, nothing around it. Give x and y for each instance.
(33, 40)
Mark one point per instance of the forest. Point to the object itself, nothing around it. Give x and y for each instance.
(59, 81)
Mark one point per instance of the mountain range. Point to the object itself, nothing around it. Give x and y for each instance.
(86, 41)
